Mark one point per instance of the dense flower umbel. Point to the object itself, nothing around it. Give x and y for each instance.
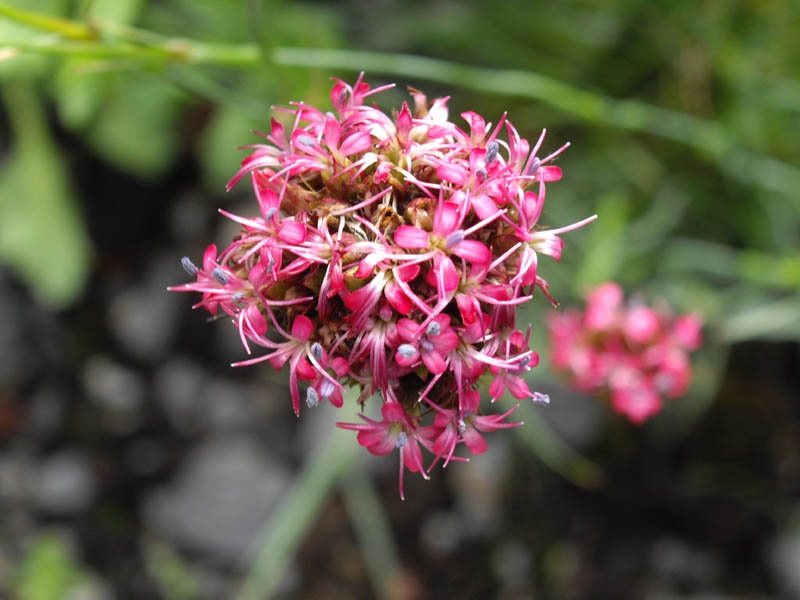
(630, 353)
(390, 253)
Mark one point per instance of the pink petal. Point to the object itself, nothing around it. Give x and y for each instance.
(411, 237)
(397, 298)
(412, 456)
(472, 251)
(446, 273)
(483, 206)
(408, 272)
(210, 258)
(359, 142)
(687, 329)
(404, 123)
(477, 125)
(468, 307)
(518, 388)
(446, 442)
(452, 172)
(474, 441)
(445, 342)
(340, 366)
(292, 232)
(550, 173)
(376, 441)
(393, 412)
(332, 132)
(256, 320)
(446, 219)
(407, 329)
(302, 327)
(497, 387)
(434, 362)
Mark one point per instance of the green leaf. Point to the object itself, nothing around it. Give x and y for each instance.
(770, 270)
(81, 85)
(228, 130)
(42, 234)
(116, 11)
(138, 128)
(776, 320)
(25, 66)
(47, 571)
(606, 248)
(79, 92)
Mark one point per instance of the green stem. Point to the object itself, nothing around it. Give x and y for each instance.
(373, 531)
(708, 137)
(289, 524)
(73, 30)
(558, 455)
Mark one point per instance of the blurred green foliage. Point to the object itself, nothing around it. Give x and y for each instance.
(49, 572)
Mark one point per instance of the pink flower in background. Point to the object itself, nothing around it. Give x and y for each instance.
(389, 253)
(631, 354)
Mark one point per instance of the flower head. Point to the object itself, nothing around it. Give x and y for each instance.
(630, 353)
(389, 253)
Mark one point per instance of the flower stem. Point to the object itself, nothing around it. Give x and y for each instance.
(74, 30)
(558, 455)
(102, 39)
(293, 518)
(371, 525)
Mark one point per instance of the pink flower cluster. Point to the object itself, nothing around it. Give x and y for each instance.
(390, 253)
(629, 353)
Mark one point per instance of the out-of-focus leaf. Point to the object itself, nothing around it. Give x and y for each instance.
(47, 572)
(171, 573)
(138, 128)
(650, 230)
(116, 11)
(228, 130)
(770, 270)
(79, 92)
(42, 235)
(700, 256)
(769, 320)
(606, 248)
(26, 66)
(82, 84)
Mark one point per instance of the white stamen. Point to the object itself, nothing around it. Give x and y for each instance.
(220, 275)
(454, 238)
(326, 389)
(541, 398)
(433, 328)
(491, 151)
(189, 266)
(407, 351)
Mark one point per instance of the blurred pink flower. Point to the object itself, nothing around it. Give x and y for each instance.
(630, 353)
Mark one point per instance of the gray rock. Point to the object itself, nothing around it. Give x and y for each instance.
(117, 390)
(221, 498)
(785, 557)
(144, 317)
(178, 387)
(63, 484)
(196, 401)
(577, 417)
(46, 411)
